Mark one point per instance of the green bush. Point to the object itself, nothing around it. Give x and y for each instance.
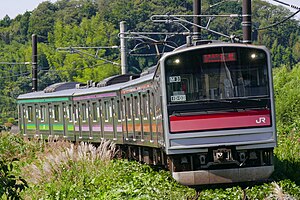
(13, 146)
(10, 185)
(11, 120)
(287, 98)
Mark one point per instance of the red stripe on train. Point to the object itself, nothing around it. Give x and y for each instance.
(244, 119)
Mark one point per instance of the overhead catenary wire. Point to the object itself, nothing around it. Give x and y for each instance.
(282, 21)
(50, 70)
(76, 50)
(286, 4)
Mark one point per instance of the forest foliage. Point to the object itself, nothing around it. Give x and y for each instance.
(95, 23)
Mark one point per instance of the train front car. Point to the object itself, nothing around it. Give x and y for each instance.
(218, 112)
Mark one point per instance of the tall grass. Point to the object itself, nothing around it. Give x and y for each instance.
(68, 171)
(59, 156)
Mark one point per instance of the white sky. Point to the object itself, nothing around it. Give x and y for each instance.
(14, 7)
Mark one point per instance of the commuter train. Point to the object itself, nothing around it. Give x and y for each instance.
(206, 112)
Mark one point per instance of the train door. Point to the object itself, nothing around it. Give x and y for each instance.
(101, 118)
(64, 119)
(69, 121)
(23, 119)
(42, 117)
(153, 120)
(95, 120)
(37, 120)
(129, 118)
(30, 121)
(84, 120)
(124, 117)
(57, 120)
(77, 121)
(118, 121)
(145, 117)
(114, 119)
(108, 119)
(138, 132)
(159, 119)
(49, 114)
(89, 119)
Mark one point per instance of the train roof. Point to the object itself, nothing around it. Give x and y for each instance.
(115, 87)
(42, 94)
(93, 90)
(142, 79)
(71, 89)
(211, 44)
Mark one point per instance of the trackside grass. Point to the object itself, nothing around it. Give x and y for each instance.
(62, 170)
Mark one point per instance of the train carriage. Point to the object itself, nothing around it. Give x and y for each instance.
(141, 122)
(47, 113)
(218, 108)
(97, 113)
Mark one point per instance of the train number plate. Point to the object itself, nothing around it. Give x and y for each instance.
(177, 98)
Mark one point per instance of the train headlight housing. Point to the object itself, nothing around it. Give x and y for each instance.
(202, 159)
(184, 160)
(252, 155)
(242, 156)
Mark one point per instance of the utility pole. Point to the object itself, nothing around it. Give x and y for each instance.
(34, 63)
(247, 22)
(123, 48)
(197, 20)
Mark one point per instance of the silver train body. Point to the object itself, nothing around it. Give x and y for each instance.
(205, 112)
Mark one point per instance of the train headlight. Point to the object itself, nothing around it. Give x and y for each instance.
(253, 56)
(177, 61)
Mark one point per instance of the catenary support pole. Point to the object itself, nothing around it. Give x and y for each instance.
(247, 22)
(123, 46)
(34, 63)
(197, 20)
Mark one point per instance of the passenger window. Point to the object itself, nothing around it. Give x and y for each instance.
(76, 112)
(100, 110)
(69, 112)
(42, 113)
(119, 110)
(152, 108)
(106, 110)
(129, 109)
(136, 108)
(124, 111)
(84, 113)
(95, 111)
(145, 106)
(56, 113)
(29, 113)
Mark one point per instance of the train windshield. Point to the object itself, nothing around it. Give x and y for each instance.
(216, 74)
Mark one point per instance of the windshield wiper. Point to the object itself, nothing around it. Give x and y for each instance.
(251, 97)
(214, 101)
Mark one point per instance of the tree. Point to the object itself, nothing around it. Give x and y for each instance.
(5, 22)
(42, 20)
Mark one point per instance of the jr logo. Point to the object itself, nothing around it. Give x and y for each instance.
(261, 120)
